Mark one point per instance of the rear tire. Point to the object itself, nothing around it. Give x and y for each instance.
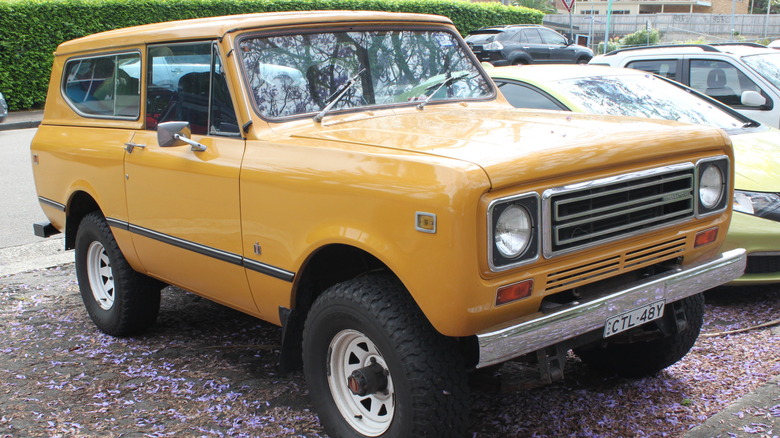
(119, 300)
(371, 321)
(640, 359)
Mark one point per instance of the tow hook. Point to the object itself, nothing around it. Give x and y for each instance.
(368, 380)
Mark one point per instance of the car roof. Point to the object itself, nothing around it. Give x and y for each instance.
(218, 27)
(549, 73)
(504, 27)
(738, 49)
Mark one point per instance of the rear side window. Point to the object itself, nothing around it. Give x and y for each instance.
(104, 86)
(662, 67)
(532, 36)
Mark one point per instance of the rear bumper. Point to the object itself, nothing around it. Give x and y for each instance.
(540, 330)
(44, 229)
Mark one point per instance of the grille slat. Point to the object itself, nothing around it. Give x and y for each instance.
(632, 225)
(589, 213)
(614, 192)
(607, 267)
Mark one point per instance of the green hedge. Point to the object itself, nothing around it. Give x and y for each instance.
(30, 30)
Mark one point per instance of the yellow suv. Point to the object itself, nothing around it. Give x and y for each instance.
(357, 179)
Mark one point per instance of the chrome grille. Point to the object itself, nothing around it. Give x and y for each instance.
(589, 213)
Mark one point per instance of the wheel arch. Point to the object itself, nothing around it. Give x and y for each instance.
(325, 267)
(520, 57)
(328, 266)
(79, 205)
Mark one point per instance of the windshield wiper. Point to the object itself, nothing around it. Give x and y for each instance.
(334, 98)
(438, 87)
(751, 124)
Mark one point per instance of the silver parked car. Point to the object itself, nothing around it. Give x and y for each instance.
(3, 108)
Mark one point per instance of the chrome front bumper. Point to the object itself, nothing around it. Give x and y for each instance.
(540, 330)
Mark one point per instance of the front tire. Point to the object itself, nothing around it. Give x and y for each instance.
(375, 367)
(119, 300)
(645, 358)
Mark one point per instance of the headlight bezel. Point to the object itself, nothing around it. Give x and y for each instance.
(723, 166)
(530, 203)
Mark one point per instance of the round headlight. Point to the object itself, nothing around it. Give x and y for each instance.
(711, 187)
(513, 231)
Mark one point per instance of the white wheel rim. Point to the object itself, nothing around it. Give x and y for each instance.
(101, 278)
(372, 414)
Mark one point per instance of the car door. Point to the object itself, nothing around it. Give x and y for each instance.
(183, 204)
(532, 43)
(725, 81)
(557, 47)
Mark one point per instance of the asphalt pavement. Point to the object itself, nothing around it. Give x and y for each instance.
(755, 415)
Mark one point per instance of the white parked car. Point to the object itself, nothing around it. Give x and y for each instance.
(743, 76)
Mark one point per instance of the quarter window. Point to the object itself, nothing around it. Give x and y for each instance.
(104, 86)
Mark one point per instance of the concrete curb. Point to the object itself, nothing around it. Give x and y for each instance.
(22, 120)
(19, 125)
(756, 414)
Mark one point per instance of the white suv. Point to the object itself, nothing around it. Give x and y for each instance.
(745, 76)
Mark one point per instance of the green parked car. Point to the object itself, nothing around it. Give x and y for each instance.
(755, 225)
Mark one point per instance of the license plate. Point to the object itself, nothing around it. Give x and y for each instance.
(634, 318)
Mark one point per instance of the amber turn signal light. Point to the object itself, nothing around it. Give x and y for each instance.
(514, 292)
(705, 237)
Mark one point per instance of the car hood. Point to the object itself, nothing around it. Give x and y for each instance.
(514, 145)
(757, 156)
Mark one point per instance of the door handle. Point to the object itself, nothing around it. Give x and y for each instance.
(130, 146)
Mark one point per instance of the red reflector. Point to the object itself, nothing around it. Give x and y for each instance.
(705, 237)
(514, 292)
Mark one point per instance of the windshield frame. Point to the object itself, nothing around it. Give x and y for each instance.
(491, 93)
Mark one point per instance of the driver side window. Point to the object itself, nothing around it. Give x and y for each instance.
(720, 80)
(186, 82)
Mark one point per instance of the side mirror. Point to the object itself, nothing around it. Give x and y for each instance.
(752, 99)
(177, 134)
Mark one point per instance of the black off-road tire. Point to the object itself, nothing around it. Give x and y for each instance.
(428, 390)
(640, 359)
(120, 301)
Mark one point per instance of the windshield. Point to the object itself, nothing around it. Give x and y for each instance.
(767, 65)
(289, 75)
(644, 96)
